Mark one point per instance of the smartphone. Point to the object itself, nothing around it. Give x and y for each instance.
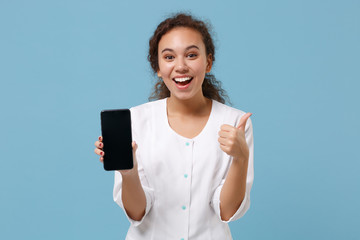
(117, 139)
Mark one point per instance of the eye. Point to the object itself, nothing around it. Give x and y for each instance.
(192, 55)
(169, 57)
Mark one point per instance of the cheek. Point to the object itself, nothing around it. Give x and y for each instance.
(200, 66)
(200, 69)
(165, 69)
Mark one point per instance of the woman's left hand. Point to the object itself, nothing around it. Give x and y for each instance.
(232, 139)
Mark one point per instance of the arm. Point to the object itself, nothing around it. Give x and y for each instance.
(131, 191)
(133, 195)
(235, 191)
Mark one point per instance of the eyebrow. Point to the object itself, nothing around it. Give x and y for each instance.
(189, 47)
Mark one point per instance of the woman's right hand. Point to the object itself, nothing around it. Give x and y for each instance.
(99, 151)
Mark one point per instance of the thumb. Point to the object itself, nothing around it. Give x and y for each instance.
(134, 146)
(243, 120)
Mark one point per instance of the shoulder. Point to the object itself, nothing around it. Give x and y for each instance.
(144, 113)
(227, 111)
(228, 114)
(146, 108)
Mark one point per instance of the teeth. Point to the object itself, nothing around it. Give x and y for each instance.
(182, 79)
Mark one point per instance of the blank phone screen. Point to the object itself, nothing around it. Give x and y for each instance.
(116, 133)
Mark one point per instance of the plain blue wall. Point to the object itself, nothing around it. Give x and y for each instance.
(294, 64)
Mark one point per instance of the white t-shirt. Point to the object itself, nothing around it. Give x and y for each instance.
(182, 178)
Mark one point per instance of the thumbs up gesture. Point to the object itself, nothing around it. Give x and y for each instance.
(232, 139)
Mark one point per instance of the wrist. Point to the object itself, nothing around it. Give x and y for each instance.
(129, 174)
(240, 166)
(241, 160)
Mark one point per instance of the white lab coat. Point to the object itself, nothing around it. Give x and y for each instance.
(182, 178)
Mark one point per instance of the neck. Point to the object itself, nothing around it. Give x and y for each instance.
(194, 106)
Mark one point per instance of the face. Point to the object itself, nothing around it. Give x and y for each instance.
(183, 62)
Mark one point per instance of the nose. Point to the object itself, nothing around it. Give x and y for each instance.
(181, 66)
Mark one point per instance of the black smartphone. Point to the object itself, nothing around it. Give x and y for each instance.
(117, 139)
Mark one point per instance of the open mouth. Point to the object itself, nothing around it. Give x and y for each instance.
(182, 81)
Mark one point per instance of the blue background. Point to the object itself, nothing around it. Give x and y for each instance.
(294, 64)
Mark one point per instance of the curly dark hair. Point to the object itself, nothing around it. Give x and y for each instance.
(211, 87)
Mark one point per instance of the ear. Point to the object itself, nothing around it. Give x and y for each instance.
(209, 62)
(159, 74)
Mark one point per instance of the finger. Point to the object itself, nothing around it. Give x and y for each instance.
(99, 144)
(101, 159)
(224, 148)
(100, 138)
(226, 127)
(227, 134)
(243, 120)
(223, 141)
(99, 152)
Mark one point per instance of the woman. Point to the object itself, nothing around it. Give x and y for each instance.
(193, 156)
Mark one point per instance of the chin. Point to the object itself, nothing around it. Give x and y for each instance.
(184, 96)
(181, 96)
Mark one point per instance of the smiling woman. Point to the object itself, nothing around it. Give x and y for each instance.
(193, 155)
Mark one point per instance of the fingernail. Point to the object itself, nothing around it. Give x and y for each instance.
(99, 138)
(101, 153)
(100, 144)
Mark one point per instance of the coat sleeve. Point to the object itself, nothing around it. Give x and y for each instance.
(245, 205)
